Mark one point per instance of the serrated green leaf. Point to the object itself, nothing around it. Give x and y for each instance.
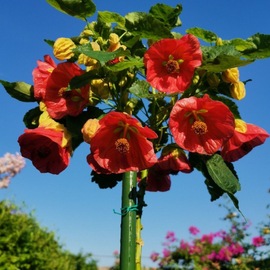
(102, 56)
(167, 14)
(146, 26)
(111, 17)
(202, 34)
(19, 90)
(140, 89)
(77, 8)
(262, 44)
(130, 63)
(222, 175)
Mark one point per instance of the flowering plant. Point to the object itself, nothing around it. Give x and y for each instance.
(150, 102)
(228, 250)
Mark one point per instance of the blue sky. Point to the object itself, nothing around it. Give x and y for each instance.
(77, 210)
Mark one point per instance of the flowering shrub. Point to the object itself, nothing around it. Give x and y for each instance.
(10, 165)
(226, 250)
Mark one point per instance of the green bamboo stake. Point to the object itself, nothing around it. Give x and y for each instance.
(128, 222)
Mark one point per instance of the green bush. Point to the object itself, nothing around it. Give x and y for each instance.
(24, 245)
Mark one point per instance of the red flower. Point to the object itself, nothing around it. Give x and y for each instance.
(173, 160)
(158, 180)
(40, 76)
(120, 145)
(61, 101)
(44, 147)
(245, 138)
(170, 63)
(201, 125)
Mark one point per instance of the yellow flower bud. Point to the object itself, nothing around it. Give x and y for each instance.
(230, 75)
(100, 88)
(266, 230)
(238, 90)
(62, 48)
(89, 129)
(113, 39)
(240, 125)
(219, 41)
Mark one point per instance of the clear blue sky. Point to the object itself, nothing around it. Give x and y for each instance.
(77, 210)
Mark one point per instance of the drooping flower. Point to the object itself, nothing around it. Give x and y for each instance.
(170, 63)
(173, 160)
(201, 125)
(61, 101)
(120, 145)
(63, 48)
(47, 146)
(40, 76)
(245, 138)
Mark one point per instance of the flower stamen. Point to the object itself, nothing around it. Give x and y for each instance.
(122, 145)
(199, 127)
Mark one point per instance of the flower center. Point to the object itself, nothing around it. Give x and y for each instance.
(122, 145)
(199, 127)
(43, 152)
(173, 66)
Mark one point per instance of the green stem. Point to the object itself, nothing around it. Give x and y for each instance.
(128, 222)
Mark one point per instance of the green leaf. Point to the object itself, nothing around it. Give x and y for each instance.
(203, 34)
(214, 190)
(77, 8)
(146, 26)
(222, 175)
(130, 63)
(220, 58)
(102, 56)
(241, 44)
(85, 78)
(31, 118)
(140, 89)
(262, 44)
(111, 17)
(167, 14)
(19, 90)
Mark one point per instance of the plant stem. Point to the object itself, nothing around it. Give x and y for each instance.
(128, 222)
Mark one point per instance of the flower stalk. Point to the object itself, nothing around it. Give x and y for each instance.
(128, 222)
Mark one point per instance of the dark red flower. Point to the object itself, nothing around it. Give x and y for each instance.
(245, 138)
(44, 147)
(120, 145)
(201, 125)
(157, 180)
(40, 76)
(173, 160)
(61, 101)
(170, 63)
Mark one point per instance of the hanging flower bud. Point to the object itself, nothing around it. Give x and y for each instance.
(238, 90)
(62, 48)
(89, 129)
(230, 75)
(219, 41)
(100, 88)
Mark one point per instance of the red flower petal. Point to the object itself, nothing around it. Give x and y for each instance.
(170, 63)
(242, 143)
(201, 125)
(121, 145)
(43, 147)
(60, 101)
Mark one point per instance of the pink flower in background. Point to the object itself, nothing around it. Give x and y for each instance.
(194, 230)
(257, 241)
